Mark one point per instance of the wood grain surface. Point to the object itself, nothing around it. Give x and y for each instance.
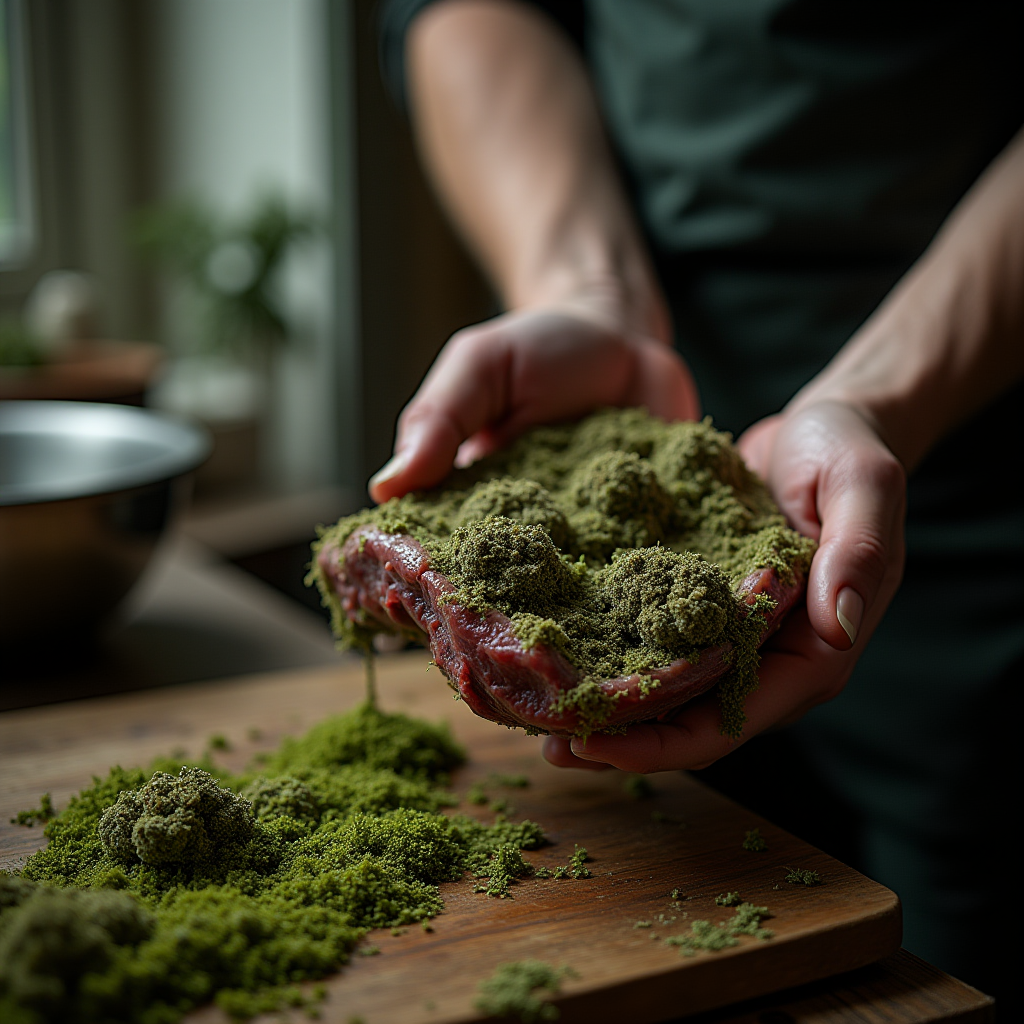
(684, 837)
(901, 989)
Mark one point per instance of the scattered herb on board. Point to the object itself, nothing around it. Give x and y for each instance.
(754, 841)
(514, 990)
(165, 889)
(618, 541)
(728, 899)
(803, 876)
(707, 937)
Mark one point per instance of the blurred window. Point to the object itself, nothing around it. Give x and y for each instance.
(16, 208)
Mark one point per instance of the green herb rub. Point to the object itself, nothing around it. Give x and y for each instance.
(619, 541)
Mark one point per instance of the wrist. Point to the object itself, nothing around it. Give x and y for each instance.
(619, 295)
(896, 372)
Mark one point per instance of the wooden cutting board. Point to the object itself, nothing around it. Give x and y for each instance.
(684, 837)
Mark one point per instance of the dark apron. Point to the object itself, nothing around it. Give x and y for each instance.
(790, 161)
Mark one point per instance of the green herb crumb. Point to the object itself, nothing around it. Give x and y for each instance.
(728, 899)
(754, 841)
(218, 742)
(803, 876)
(41, 814)
(515, 989)
(506, 866)
(642, 924)
(577, 863)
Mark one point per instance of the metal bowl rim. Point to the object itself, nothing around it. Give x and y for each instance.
(187, 445)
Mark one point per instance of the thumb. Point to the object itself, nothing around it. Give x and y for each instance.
(461, 394)
(861, 503)
(425, 450)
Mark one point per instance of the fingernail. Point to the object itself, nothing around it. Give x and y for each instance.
(395, 465)
(578, 745)
(850, 611)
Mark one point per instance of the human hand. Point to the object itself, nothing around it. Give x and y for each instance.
(497, 379)
(836, 481)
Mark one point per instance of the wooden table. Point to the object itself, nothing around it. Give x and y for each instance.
(684, 837)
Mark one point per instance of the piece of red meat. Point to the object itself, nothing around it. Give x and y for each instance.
(388, 576)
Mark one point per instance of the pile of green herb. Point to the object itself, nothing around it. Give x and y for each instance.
(165, 889)
(619, 541)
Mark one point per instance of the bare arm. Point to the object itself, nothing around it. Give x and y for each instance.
(950, 337)
(510, 132)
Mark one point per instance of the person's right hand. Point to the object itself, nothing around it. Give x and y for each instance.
(497, 379)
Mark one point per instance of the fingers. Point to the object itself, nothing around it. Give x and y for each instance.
(494, 381)
(558, 752)
(861, 504)
(797, 673)
(836, 481)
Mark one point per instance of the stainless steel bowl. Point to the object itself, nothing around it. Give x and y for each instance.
(86, 490)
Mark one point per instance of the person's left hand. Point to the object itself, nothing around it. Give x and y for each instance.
(836, 481)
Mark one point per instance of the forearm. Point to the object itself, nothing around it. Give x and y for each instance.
(510, 133)
(950, 336)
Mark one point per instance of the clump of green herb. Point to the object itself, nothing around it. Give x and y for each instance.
(754, 841)
(186, 820)
(165, 889)
(803, 876)
(512, 991)
(707, 937)
(41, 814)
(506, 866)
(577, 863)
(618, 541)
(728, 899)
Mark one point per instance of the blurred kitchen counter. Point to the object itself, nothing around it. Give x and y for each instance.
(193, 616)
